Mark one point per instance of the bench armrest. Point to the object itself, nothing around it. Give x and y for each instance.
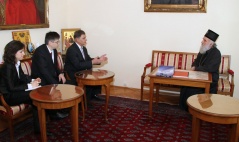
(231, 74)
(145, 68)
(4, 104)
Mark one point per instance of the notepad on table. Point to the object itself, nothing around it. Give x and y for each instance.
(178, 73)
(33, 88)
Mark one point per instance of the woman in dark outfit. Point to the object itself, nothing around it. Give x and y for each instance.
(13, 81)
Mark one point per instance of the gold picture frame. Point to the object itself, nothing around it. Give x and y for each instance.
(25, 38)
(29, 14)
(194, 6)
(67, 36)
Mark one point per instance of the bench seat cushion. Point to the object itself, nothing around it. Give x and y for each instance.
(14, 109)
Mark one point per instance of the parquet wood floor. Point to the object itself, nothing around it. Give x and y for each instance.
(135, 94)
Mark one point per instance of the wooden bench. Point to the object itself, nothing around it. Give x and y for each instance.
(184, 60)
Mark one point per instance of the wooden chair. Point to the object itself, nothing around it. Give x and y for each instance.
(13, 114)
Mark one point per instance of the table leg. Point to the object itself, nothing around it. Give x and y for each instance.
(107, 88)
(74, 122)
(42, 123)
(207, 88)
(195, 129)
(83, 109)
(151, 97)
(85, 100)
(234, 132)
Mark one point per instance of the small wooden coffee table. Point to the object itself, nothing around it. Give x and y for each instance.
(58, 96)
(96, 77)
(214, 108)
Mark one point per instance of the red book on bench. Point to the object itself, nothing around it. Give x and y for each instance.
(180, 74)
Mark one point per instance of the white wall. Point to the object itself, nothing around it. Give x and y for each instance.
(127, 34)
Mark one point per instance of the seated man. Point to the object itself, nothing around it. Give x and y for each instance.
(208, 60)
(78, 59)
(44, 61)
(45, 66)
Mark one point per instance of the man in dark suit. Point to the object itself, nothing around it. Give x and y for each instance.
(44, 61)
(45, 65)
(78, 59)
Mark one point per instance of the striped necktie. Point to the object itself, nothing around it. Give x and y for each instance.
(82, 52)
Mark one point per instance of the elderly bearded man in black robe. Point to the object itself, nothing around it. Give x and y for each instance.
(208, 60)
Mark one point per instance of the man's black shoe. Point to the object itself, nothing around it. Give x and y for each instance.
(89, 105)
(58, 116)
(98, 98)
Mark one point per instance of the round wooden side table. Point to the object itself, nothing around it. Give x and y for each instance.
(96, 77)
(214, 108)
(58, 96)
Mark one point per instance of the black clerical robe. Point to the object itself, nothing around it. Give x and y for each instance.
(208, 62)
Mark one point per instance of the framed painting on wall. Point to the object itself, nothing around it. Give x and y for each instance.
(196, 6)
(25, 38)
(23, 14)
(67, 36)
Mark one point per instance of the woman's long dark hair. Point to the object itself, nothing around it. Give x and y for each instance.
(10, 50)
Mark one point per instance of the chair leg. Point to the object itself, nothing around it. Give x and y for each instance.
(11, 130)
(231, 91)
(157, 93)
(142, 92)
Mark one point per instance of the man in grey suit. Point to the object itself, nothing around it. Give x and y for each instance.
(78, 59)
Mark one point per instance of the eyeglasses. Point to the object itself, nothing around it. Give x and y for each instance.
(57, 42)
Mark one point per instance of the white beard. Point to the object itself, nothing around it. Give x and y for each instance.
(204, 49)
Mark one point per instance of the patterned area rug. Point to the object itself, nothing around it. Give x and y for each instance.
(127, 121)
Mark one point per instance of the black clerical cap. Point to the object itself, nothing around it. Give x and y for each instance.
(211, 35)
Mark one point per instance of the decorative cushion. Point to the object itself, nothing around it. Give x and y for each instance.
(14, 109)
(224, 85)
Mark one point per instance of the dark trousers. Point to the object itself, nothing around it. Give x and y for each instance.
(91, 91)
(185, 93)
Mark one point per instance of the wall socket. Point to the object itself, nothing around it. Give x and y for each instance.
(125, 84)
